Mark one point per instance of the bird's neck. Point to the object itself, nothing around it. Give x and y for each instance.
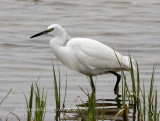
(58, 41)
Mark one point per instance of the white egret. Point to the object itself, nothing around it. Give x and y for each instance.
(84, 55)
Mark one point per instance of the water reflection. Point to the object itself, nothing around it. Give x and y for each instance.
(36, 0)
(30, 0)
(106, 109)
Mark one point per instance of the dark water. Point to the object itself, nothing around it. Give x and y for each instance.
(127, 26)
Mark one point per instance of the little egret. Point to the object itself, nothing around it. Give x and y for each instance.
(84, 55)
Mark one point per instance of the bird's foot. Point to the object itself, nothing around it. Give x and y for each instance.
(116, 90)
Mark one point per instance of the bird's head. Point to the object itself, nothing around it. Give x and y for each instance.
(53, 30)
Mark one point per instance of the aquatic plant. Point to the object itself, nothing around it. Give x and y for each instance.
(57, 93)
(29, 104)
(40, 104)
(137, 91)
(5, 96)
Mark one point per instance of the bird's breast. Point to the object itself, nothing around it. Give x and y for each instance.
(66, 56)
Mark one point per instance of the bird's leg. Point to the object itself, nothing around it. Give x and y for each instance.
(92, 83)
(118, 79)
(92, 100)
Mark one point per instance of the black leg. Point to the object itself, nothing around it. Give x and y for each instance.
(118, 79)
(92, 83)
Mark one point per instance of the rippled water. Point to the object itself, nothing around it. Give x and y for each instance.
(127, 26)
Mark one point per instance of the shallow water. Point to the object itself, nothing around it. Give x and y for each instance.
(127, 26)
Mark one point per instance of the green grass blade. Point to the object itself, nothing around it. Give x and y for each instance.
(133, 79)
(150, 95)
(31, 101)
(59, 87)
(124, 96)
(138, 82)
(158, 114)
(40, 104)
(65, 93)
(29, 104)
(123, 101)
(28, 114)
(144, 103)
(37, 104)
(126, 86)
(45, 98)
(138, 91)
(155, 107)
(56, 90)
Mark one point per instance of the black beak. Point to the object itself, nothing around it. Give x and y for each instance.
(41, 33)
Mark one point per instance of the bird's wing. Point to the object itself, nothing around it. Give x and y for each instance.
(96, 55)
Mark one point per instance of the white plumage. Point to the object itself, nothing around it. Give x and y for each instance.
(84, 55)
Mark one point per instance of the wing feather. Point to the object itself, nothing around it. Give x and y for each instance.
(96, 55)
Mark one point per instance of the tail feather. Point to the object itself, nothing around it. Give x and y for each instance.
(130, 61)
